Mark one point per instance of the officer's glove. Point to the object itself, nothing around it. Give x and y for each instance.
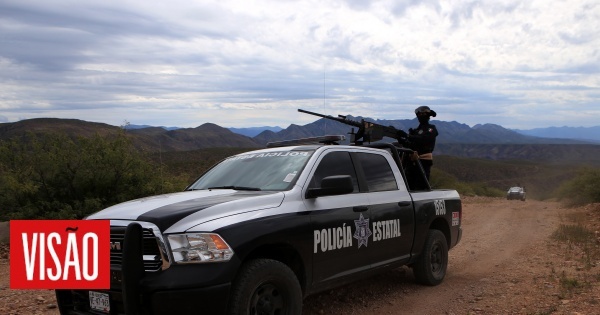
(414, 156)
(400, 134)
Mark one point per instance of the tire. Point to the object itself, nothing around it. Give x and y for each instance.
(266, 286)
(430, 268)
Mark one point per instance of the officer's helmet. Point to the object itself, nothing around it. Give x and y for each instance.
(425, 111)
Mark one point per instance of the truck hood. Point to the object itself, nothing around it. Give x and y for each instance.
(200, 206)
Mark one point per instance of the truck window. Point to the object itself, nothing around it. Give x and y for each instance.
(415, 177)
(276, 170)
(334, 163)
(378, 173)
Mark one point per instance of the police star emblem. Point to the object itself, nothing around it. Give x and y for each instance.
(362, 232)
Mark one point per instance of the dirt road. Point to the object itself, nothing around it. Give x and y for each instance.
(506, 263)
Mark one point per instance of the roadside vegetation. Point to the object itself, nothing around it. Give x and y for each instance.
(582, 189)
(187, 166)
(444, 180)
(540, 179)
(54, 176)
(580, 248)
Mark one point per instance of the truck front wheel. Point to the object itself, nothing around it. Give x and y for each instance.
(430, 268)
(266, 286)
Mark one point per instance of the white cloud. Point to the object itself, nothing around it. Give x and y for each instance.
(249, 63)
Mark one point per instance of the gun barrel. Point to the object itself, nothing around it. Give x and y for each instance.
(341, 119)
(313, 113)
(367, 131)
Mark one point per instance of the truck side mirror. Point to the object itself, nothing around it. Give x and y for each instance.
(332, 185)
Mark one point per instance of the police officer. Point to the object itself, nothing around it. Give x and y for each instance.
(422, 139)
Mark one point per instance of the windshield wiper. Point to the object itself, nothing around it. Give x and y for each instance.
(235, 187)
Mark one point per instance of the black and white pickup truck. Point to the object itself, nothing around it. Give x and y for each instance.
(261, 230)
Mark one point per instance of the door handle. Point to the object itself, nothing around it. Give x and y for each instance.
(404, 203)
(360, 208)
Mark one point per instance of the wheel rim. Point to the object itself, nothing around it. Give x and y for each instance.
(437, 259)
(267, 300)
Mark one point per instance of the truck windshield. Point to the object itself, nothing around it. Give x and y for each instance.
(255, 171)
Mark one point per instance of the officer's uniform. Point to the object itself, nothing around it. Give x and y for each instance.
(422, 139)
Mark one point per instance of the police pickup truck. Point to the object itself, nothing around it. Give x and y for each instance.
(261, 230)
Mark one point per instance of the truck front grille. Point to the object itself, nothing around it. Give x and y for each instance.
(154, 252)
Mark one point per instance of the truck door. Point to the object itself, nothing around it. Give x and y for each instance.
(341, 232)
(392, 214)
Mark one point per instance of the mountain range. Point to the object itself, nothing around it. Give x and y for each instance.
(254, 131)
(582, 133)
(586, 134)
(481, 141)
(449, 132)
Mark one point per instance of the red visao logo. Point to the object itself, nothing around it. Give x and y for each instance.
(59, 254)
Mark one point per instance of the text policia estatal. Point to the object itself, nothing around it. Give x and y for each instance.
(342, 236)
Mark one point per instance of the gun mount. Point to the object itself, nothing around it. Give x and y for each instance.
(367, 131)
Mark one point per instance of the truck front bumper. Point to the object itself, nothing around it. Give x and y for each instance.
(181, 289)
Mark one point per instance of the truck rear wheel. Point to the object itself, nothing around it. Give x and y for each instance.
(266, 286)
(430, 268)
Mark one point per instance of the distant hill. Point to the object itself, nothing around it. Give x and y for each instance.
(254, 131)
(185, 139)
(73, 127)
(581, 133)
(151, 139)
(486, 141)
(248, 132)
(564, 154)
(132, 127)
(450, 132)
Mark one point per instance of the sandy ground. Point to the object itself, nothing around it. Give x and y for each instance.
(506, 263)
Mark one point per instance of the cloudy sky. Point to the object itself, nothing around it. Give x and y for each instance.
(243, 63)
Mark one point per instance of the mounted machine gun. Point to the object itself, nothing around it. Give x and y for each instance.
(367, 131)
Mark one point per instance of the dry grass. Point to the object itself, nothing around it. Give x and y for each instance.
(579, 241)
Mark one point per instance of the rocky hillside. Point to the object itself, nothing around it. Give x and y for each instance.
(481, 141)
(152, 139)
(582, 154)
(449, 132)
(186, 139)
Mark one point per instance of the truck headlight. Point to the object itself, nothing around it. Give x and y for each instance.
(199, 248)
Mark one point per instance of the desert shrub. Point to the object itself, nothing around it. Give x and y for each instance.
(187, 166)
(488, 191)
(444, 180)
(54, 176)
(573, 233)
(583, 189)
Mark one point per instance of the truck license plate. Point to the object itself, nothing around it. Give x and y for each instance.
(99, 301)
